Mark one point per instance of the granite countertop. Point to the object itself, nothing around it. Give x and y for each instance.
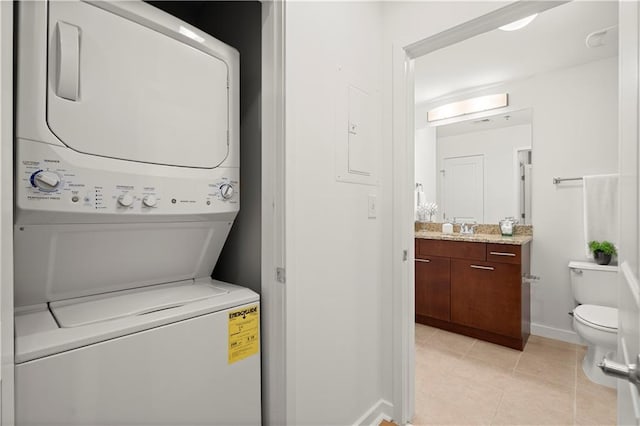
(517, 240)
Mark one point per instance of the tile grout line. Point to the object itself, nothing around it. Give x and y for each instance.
(513, 370)
(469, 350)
(495, 414)
(575, 386)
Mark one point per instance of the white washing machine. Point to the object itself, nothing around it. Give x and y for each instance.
(126, 186)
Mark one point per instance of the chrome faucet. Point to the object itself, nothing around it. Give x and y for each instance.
(467, 228)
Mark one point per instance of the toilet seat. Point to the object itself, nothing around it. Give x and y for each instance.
(602, 318)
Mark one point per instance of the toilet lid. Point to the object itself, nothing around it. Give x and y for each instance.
(598, 316)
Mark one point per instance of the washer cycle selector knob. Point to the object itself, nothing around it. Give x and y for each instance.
(149, 200)
(45, 180)
(125, 200)
(226, 190)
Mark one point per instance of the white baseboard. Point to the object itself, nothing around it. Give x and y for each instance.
(555, 333)
(380, 411)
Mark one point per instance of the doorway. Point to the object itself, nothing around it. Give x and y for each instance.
(409, 56)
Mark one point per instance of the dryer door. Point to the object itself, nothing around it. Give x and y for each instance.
(118, 88)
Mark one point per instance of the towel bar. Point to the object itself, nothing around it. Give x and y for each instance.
(557, 180)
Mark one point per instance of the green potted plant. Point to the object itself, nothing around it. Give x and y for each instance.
(602, 251)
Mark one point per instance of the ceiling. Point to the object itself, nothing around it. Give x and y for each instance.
(554, 40)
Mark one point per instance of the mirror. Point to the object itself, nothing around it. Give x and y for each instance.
(477, 170)
(478, 167)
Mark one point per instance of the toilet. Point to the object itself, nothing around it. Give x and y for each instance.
(595, 320)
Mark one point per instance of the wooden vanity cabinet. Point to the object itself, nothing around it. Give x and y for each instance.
(486, 296)
(433, 292)
(474, 288)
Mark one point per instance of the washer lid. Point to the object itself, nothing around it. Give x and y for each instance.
(89, 310)
(598, 316)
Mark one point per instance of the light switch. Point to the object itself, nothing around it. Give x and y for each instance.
(373, 206)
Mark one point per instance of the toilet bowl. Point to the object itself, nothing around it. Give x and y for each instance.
(595, 320)
(598, 327)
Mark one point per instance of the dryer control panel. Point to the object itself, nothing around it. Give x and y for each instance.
(56, 179)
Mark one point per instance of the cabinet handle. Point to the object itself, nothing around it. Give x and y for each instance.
(499, 253)
(423, 260)
(487, 268)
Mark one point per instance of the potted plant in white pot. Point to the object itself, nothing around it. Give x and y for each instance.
(602, 251)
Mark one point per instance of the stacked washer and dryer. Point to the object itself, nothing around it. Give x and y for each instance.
(126, 183)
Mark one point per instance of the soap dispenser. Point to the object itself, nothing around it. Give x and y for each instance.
(447, 228)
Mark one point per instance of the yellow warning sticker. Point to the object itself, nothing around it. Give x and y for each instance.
(244, 333)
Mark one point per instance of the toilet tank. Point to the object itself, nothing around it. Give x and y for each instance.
(594, 284)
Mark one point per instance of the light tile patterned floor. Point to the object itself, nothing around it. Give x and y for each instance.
(464, 381)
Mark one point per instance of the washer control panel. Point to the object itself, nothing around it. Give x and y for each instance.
(52, 178)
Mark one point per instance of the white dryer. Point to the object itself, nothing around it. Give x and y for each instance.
(126, 186)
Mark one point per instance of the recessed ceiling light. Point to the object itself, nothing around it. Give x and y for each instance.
(520, 23)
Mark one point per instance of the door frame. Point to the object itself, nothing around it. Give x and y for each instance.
(518, 182)
(273, 291)
(402, 127)
(628, 164)
(6, 216)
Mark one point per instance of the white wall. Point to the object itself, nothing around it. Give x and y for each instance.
(333, 250)
(574, 133)
(498, 147)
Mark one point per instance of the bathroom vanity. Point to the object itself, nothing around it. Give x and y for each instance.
(474, 285)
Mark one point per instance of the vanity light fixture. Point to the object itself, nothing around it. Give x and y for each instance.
(520, 23)
(468, 106)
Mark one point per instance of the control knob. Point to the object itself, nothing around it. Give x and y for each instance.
(226, 190)
(125, 200)
(45, 180)
(149, 200)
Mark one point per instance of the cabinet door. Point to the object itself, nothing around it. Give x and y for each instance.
(432, 288)
(486, 296)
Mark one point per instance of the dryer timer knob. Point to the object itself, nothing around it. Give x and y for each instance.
(45, 180)
(226, 190)
(149, 200)
(125, 200)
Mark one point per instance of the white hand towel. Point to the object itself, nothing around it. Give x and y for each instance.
(600, 193)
